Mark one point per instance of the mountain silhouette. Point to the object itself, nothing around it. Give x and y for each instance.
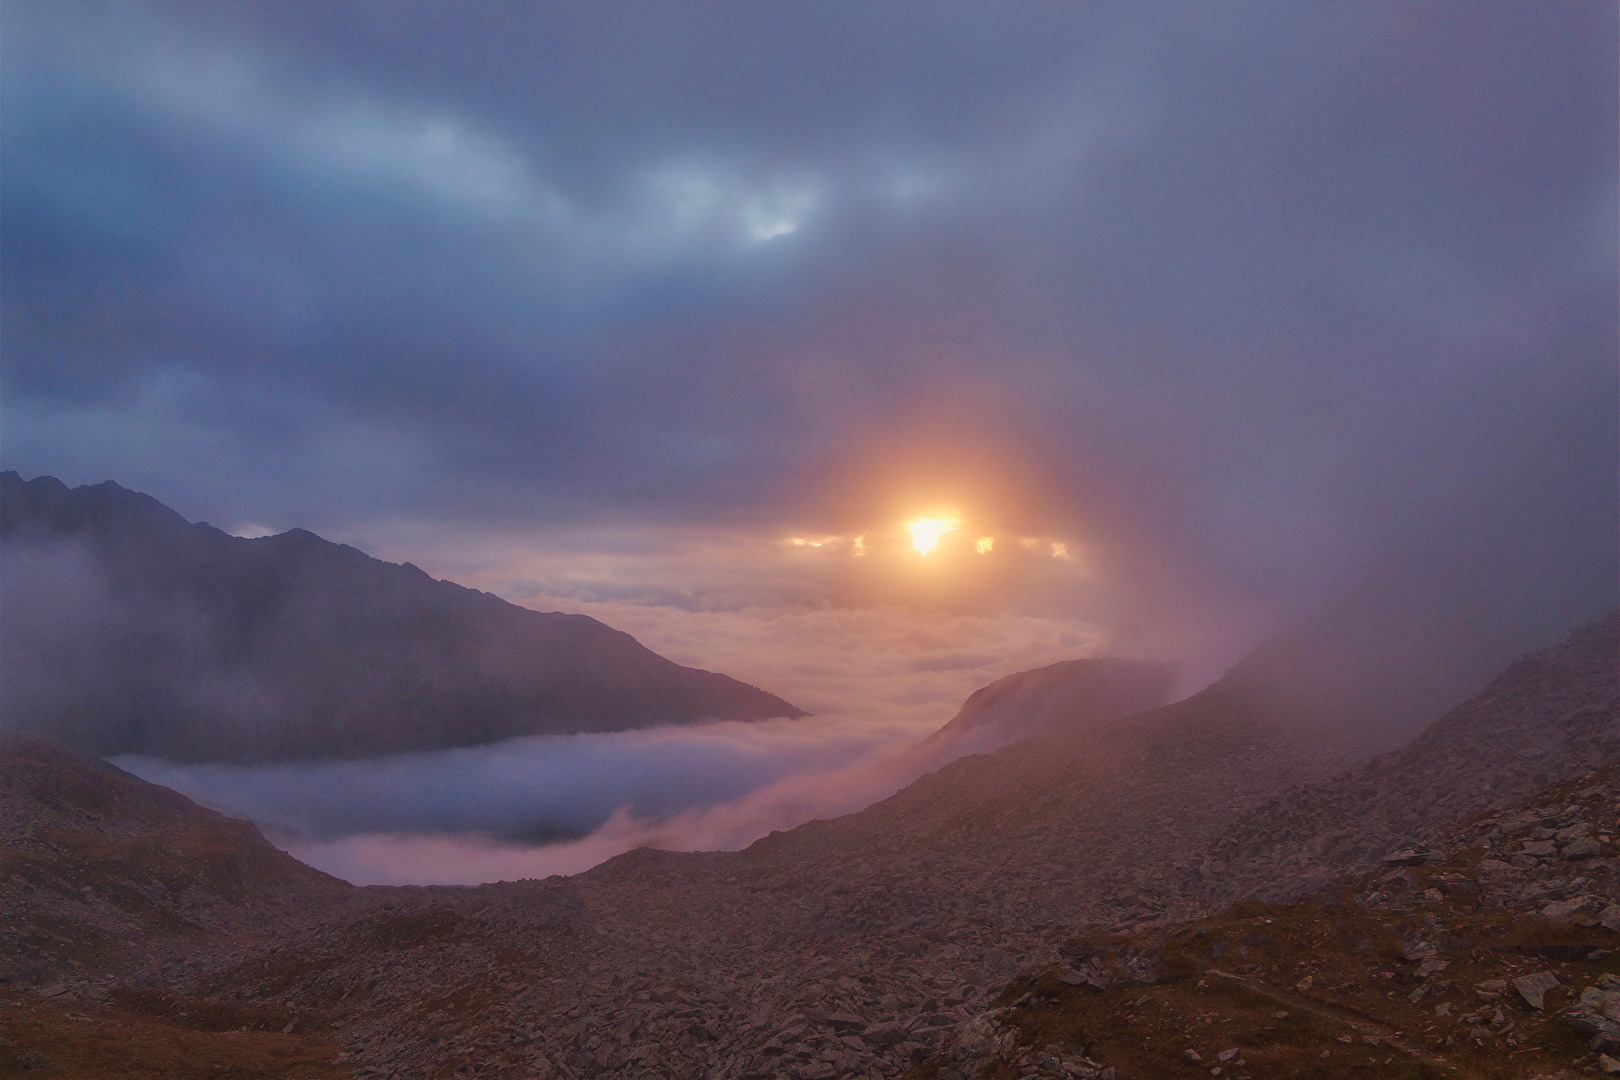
(129, 630)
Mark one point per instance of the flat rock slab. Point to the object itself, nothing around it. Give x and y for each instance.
(1533, 988)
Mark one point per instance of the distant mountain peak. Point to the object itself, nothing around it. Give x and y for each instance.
(128, 629)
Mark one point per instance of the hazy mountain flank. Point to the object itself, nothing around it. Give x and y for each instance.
(127, 629)
(1061, 908)
(1067, 697)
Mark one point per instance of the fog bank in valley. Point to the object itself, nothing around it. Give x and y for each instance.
(879, 682)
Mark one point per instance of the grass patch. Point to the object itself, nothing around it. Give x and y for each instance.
(1322, 991)
(39, 1039)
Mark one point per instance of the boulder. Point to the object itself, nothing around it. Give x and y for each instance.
(1533, 988)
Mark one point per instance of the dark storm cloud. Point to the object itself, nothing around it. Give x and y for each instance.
(1271, 297)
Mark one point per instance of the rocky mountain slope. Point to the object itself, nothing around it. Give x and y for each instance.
(1068, 696)
(128, 629)
(879, 944)
(1549, 714)
(1490, 955)
(99, 864)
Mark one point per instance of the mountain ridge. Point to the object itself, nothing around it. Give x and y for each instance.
(132, 630)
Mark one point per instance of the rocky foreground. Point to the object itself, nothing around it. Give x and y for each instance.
(1491, 953)
(1062, 907)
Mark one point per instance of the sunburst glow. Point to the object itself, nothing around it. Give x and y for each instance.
(925, 532)
(925, 537)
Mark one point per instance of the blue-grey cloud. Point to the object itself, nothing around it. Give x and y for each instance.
(1269, 303)
(537, 789)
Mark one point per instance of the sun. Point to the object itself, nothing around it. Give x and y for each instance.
(925, 532)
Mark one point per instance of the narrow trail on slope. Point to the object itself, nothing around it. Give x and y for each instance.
(1373, 1028)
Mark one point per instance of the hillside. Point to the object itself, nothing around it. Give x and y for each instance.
(1066, 697)
(1549, 714)
(128, 629)
(1070, 878)
(1491, 957)
(99, 865)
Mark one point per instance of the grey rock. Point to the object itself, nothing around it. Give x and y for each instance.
(1585, 848)
(1578, 905)
(1595, 1016)
(977, 1042)
(1533, 988)
(1417, 949)
(1455, 885)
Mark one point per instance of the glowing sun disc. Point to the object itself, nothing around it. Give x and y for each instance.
(925, 532)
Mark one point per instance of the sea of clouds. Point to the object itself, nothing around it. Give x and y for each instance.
(878, 681)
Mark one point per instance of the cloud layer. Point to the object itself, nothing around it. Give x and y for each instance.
(1254, 300)
(879, 681)
(534, 788)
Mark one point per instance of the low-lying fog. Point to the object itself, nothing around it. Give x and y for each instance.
(461, 816)
(878, 682)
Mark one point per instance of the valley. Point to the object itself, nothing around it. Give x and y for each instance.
(1065, 904)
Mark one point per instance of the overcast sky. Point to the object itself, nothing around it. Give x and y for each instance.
(1242, 304)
